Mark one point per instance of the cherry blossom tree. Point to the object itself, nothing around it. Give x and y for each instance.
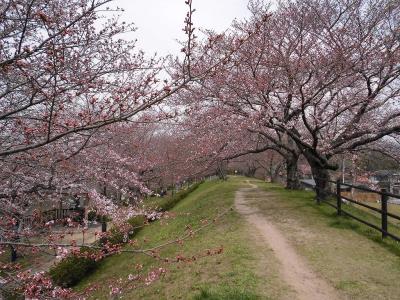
(76, 100)
(217, 136)
(67, 77)
(343, 59)
(318, 78)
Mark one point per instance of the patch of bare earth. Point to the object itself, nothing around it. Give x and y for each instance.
(294, 270)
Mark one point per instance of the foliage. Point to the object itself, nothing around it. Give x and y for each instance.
(168, 202)
(73, 268)
(92, 216)
(313, 94)
(116, 236)
(70, 270)
(137, 222)
(80, 113)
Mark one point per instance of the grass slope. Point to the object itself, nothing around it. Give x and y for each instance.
(235, 274)
(350, 255)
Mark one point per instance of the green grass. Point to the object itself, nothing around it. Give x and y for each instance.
(234, 274)
(306, 200)
(392, 208)
(348, 254)
(225, 294)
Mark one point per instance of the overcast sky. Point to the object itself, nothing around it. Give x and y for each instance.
(160, 22)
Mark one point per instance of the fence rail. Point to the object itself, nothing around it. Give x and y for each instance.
(383, 210)
(48, 215)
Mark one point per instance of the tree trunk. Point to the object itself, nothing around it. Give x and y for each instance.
(103, 224)
(292, 173)
(321, 177)
(274, 177)
(251, 171)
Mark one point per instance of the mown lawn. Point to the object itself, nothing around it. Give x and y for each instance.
(234, 274)
(348, 254)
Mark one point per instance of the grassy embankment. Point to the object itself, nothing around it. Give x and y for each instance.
(234, 274)
(349, 255)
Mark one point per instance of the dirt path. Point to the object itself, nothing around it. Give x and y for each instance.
(294, 270)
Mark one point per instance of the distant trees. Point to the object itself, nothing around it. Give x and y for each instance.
(267, 165)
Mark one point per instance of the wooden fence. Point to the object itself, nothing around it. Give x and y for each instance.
(48, 215)
(382, 197)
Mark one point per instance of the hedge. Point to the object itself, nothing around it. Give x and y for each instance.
(70, 270)
(167, 203)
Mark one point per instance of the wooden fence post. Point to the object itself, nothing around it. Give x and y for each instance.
(338, 197)
(384, 199)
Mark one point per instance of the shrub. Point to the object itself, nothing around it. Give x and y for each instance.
(168, 203)
(72, 269)
(137, 222)
(78, 214)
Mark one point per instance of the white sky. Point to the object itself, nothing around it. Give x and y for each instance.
(160, 22)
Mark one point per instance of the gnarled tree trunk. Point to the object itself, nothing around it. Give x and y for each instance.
(321, 177)
(320, 172)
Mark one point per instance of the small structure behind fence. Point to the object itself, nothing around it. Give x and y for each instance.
(362, 196)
